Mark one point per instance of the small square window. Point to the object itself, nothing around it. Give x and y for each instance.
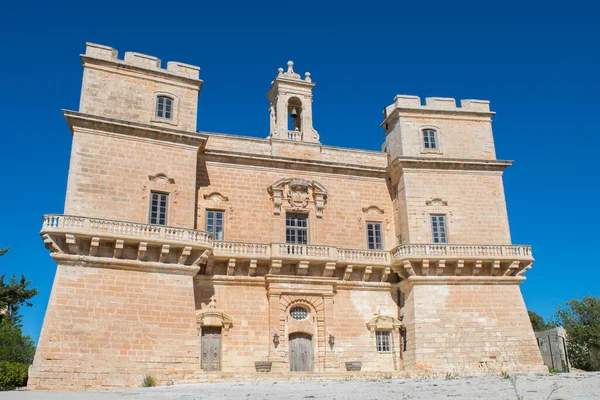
(296, 228)
(164, 107)
(438, 226)
(384, 341)
(158, 208)
(374, 236)
(430, 141)
(214, 223)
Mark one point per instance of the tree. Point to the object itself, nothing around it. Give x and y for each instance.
(537, 322)
(13, 345)
(13, 295)
(581, 320)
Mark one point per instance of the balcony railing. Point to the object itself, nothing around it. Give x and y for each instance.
(92, 226)
(295, 135)
(374, 256)
(452, 251)
(245, 250)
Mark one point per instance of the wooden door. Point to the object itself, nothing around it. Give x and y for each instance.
(211, 348)
(301, 352)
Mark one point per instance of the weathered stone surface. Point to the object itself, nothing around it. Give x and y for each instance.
(133, 299)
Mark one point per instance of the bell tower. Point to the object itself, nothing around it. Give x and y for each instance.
(290, 106)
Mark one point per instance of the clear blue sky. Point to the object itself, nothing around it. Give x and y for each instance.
(537, 62)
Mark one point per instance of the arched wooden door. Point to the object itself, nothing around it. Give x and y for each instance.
(301, 352)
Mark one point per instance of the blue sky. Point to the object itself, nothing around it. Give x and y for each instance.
(537, 62)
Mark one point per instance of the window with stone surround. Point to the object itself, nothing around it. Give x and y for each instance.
(384, 341)
(430, 139)
(296, 228)
(159, 203)
(439, 230)
(374, 236)
(215, 223)
(164, 107)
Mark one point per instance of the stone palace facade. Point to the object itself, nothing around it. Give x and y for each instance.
(185, 255)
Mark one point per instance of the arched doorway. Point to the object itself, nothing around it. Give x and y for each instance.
(301, 352)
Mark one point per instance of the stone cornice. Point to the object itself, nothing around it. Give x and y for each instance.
(104, 124)
(287, 162)
(461, 280)
(128, 265)
(448, 163)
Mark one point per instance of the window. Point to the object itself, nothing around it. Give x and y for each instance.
(384, 341)
(164, 107)
(158, 208)
(430, 139)
(214, 223)
(299, 313)
(296, 228)
(374, 239)
(438, 224)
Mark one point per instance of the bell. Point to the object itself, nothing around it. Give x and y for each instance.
(294, 113)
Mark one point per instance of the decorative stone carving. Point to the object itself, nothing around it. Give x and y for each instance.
(299, 193)
(215, 196)
(383, 322)
(436, 201)
(162, 176)
(373, 208)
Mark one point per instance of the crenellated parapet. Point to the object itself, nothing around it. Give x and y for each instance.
(437, 104)
(139, 60)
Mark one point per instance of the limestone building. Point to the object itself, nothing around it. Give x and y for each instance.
(184, 254)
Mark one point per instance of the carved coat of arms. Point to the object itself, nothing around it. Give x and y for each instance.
(298, 193)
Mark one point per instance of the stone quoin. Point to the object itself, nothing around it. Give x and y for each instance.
(183, 254)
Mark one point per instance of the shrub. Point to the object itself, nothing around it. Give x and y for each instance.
(13, 374)
(581, 320)
(148, 381)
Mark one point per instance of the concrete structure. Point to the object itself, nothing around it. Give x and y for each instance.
(185, 254)
(553, 347)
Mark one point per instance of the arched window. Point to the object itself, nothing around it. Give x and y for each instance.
(164, 107)
(430, 139)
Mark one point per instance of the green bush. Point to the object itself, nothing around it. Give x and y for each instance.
(13, 374)
(148, 381)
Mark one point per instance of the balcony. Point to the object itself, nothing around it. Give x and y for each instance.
(119, 244)
(120, 229)
(298, 252)
(461, 251)
(448, 259)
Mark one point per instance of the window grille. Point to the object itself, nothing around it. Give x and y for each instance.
(158, 208)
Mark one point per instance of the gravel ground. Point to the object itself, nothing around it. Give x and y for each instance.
(558, 386)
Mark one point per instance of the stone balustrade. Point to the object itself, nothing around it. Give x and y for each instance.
(295, 135)
(461, 251)
(96, 226)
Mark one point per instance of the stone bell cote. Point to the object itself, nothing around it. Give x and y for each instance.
(290, 106)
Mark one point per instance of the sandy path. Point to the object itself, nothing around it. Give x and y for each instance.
(559, 386)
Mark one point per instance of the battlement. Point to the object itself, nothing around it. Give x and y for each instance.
(403, 101)
(145, 61)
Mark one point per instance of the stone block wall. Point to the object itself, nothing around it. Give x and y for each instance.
(111, 176)
(473, 202)
(249, 209)
(468, 328)
(354, 342)
(108, 328)
(245, 301)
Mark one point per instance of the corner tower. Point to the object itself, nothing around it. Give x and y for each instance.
(290, 106)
